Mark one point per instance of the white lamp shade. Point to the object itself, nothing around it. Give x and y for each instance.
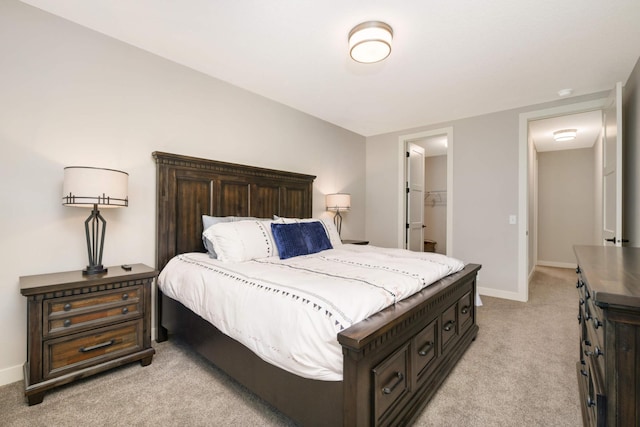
(338, 202)
(87, 186)
(370, 42)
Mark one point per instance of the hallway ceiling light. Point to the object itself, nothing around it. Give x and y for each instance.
(565, 135)
(370, 42)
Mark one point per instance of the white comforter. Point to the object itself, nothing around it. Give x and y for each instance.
(289, 312)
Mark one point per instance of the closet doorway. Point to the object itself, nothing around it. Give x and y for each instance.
(438, 183)
(435, 194)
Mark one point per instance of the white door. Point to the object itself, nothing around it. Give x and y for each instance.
(415, 198)
(612, 169)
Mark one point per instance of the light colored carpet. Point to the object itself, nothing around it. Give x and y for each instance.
(519, 371)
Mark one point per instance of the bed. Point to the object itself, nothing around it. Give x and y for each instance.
(393, 361)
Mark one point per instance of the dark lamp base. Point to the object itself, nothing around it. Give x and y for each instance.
(94, 269)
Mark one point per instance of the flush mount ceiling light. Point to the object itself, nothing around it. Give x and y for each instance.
(370, 42)
(565, 92)
(564, 135)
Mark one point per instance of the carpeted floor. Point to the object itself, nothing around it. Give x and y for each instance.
(519, 371)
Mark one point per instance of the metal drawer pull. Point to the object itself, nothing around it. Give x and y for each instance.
(598, 352)
(67, 307)
(389, 388)
(465, 309)
(67, 323)
(125, 310)
(596, 323)
(447, 326)
(125, 296)
(97, 346)
(426, 349)
(590, 402)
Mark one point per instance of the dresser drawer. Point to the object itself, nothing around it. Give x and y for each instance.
(465, 312)
(390, 383)
(80, 350)
(593, 319)
(71, 314)
(425, 349)
(449, 326)
(592, 395)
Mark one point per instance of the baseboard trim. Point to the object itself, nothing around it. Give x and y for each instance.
(11, 375)
(497, 293)
(557, 264)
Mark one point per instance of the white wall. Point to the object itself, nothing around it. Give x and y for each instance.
(71, 96)
(566, 200)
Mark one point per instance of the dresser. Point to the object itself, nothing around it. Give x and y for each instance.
(79, 325)
(608, 366)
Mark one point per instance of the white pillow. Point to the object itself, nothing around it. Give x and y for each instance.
(329, 227)
(242, 240)
(208, 221)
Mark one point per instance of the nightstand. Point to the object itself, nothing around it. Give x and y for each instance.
(355, 242)
(79, 325)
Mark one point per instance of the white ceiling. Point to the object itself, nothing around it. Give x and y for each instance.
(588, 126)
(450, 59)
(434, 145)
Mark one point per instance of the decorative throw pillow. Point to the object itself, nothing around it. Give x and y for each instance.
(329, 227)
(289, 240)
(315, 236)
(300, 238)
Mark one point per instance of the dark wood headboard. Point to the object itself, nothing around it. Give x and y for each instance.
(189, 187)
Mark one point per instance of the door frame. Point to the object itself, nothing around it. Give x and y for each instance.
(614, 101)
(524, 273)
(402, 176)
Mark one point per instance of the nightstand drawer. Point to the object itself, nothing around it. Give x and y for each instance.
(92, 347)
(81, 324)
(71, 314)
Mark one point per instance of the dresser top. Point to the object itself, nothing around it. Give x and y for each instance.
(36, 284)
(613, 274)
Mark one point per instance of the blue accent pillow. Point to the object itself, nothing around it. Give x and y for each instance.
(315, 236)
(289, 240)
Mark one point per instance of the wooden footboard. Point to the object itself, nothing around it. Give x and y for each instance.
(394, 361)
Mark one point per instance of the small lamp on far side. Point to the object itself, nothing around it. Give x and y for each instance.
(338, 202)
